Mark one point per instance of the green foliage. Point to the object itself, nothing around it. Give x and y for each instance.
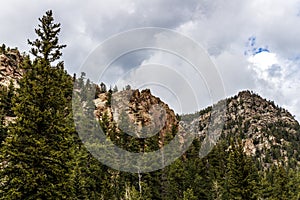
(37, 148)
(42, 156)
(6, 95)
(189, 195)
(115, 89)
(280, 183)
(46, 46)
(241, 176)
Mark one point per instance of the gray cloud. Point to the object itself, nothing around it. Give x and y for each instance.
(222, 27)
(275, 70)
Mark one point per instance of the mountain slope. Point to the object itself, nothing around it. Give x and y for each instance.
(137, 114)
(269, 133)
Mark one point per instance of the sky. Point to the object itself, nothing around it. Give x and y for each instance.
(254, 44)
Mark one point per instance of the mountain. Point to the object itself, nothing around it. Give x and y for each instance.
(269, 133)
(257, 151)
(143, 110)
(250, 151)
(256, 155)
(136, 117)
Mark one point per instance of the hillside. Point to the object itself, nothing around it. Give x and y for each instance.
(144, 114)
(137, 121)
(269, 133)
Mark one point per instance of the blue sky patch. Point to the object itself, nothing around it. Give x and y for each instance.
(252, 47)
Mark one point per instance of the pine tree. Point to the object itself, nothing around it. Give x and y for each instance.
(241, 176)
(37, 150)
(282, 184)
(266, 191)
(46, 47)
(6, 94)
(189, 195)
(3, 95)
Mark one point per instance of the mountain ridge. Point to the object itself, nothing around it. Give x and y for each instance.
(264, 127)
(269, 133)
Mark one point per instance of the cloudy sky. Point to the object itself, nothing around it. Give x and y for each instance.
(254, 44)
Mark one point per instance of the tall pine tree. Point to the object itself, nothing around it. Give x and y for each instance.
(37, 151)
(242, 176)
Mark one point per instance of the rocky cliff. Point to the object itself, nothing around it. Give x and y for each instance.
(269, 133)
(137, 113)
(10, 61)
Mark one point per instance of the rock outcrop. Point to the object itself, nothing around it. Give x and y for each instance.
(10, 62)
(138, 113)
(268, 132)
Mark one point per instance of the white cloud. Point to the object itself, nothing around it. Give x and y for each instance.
(171, 78)
(262, 64)
(277, 78)
(222, 27)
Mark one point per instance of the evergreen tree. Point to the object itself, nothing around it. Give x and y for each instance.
(6, 94)
(46, 47)
(280, 183)
(189, 195)
(266, 185)
(3, 131)
(241, 176)
(38, 148)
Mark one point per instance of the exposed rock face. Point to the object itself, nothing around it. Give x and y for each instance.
(265, 129)
(137, 113)
(10, 66)
(269, 133)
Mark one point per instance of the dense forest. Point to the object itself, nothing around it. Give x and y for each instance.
(43, 157)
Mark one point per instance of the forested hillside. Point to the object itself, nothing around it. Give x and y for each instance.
(43, 157)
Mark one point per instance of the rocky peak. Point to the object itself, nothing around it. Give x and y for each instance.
(253, 107)
(269, 133)
(137, 112)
